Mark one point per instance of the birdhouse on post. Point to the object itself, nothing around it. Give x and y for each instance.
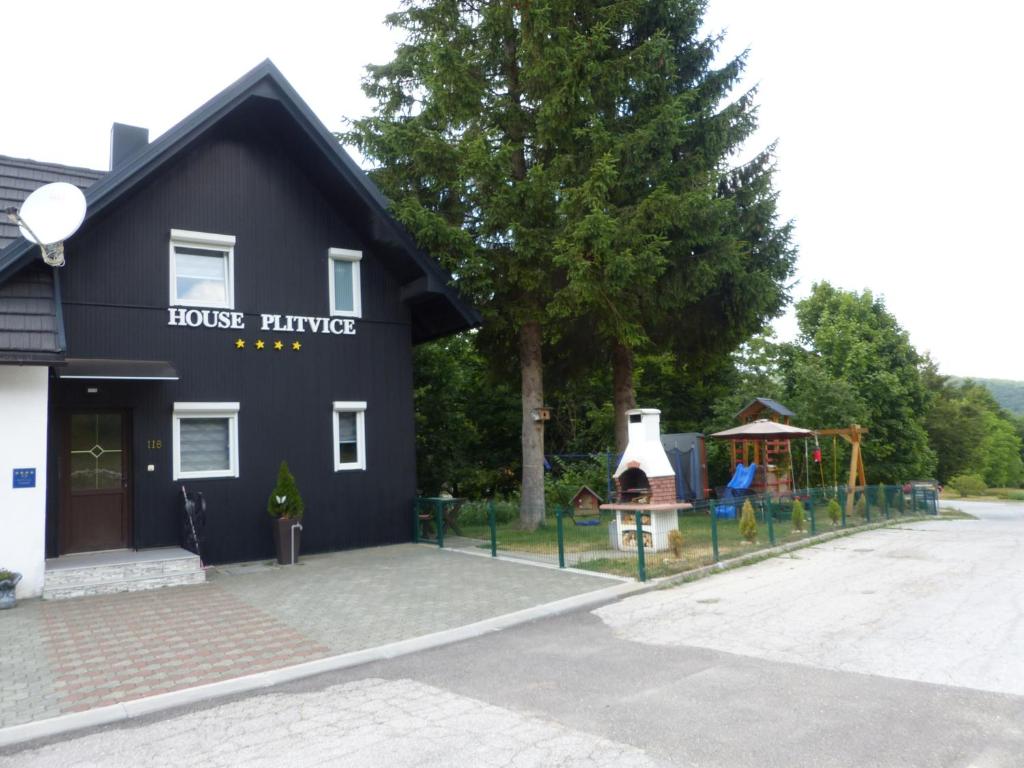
(586, 503)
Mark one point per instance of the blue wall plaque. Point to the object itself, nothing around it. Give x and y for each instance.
(24, 478)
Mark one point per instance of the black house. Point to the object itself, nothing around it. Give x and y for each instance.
(238, 294)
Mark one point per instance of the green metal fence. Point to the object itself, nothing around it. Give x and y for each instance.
(633, 545)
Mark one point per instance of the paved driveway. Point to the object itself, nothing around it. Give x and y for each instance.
(938, 602)
(73, 655)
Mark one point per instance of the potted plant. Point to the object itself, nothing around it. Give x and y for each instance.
(8, 581)
(286, 507)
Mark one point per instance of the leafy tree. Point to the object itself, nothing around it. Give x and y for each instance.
(968, 484)
(857, 341)
(466, 425)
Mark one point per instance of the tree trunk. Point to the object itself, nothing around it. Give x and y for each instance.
(531, 506)
(624, 396)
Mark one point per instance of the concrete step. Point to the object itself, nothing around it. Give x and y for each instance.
(86, 589)
(104, 573)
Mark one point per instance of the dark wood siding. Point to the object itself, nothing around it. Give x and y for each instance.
(116, 297)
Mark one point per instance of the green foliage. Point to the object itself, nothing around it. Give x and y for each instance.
(798, 516)
(851, 338)
(968, 485)
(861, 505)
(1009, 394)
(475, 512)
(748, 522)
(285, 500)
(6, 575)
(835, 512)
(566, 477)
(675, 543)
(880, 495)
(467, 421)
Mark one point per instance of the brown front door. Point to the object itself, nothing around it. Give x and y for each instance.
(96, 509)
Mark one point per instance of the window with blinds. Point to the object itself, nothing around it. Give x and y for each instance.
(205, 440)
(343, 281)
(349, 435)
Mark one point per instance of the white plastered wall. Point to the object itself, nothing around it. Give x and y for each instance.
(23, 416)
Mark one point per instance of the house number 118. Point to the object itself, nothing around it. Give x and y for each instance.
(154, 443)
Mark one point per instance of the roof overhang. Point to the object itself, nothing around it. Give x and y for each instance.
(117, 370)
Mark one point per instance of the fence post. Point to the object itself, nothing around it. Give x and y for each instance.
(714, 530)
(867, 503)
(416, 522)
(885, 501)
(771, 519)
(842, 505)
(439, 513)
(810, 512)
(492, 521)
(608, 473)
(900, 507)
(641, 565)
(561, 535)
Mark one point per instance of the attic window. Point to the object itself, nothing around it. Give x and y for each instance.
(343, 280)
(202, 269)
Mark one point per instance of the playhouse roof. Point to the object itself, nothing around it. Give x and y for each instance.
(767, 402)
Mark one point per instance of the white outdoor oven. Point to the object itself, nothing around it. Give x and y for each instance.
(646, 484)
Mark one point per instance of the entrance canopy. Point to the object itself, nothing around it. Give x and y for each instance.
(125, 370)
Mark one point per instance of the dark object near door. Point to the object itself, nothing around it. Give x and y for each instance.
(283, 539)
(193, 521)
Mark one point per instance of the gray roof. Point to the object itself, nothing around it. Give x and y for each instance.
(31, 326)
(767, 402)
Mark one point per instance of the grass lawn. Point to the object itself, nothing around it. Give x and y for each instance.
(588, 546)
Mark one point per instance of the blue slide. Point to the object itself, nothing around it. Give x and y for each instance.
(741, 480)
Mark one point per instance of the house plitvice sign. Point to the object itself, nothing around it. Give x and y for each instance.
(221, 318)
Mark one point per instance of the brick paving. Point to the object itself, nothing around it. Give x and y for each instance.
(72, 655)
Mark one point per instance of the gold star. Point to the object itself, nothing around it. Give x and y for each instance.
(296, 345)
(260, 344)
(278, 345)
(239, 343)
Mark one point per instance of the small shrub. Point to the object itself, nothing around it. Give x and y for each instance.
(285, 500)
(675, 543)
(861, 505)
(748, 523)
(880, 496)
(798, 516)
(834, 511)
(968, 485)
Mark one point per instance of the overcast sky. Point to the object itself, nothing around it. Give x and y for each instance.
(897, 124)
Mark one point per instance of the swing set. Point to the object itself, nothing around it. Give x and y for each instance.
(852, 435)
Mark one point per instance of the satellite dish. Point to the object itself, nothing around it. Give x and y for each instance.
(49, 216)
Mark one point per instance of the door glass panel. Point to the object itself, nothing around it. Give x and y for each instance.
(83, 472)
(108, 431)
(96, 462)
(108, 470)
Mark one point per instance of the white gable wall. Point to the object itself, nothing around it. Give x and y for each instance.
(23, 418)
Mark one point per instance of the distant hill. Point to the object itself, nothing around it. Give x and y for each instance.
(1009, 394)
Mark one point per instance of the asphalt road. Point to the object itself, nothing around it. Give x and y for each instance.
(891, 648)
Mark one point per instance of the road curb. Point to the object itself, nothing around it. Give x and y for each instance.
(115, 713)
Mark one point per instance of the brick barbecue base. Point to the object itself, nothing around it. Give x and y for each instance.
(663, 489)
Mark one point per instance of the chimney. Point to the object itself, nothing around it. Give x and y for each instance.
(126, 141)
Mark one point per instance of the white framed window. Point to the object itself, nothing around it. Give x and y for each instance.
(202, 269)
(349, 435)
(205, 437)
(343, 282)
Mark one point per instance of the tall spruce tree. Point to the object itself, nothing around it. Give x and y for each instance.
(664, 241)
(568, 161)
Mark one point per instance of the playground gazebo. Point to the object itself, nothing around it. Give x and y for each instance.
(763, 438)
